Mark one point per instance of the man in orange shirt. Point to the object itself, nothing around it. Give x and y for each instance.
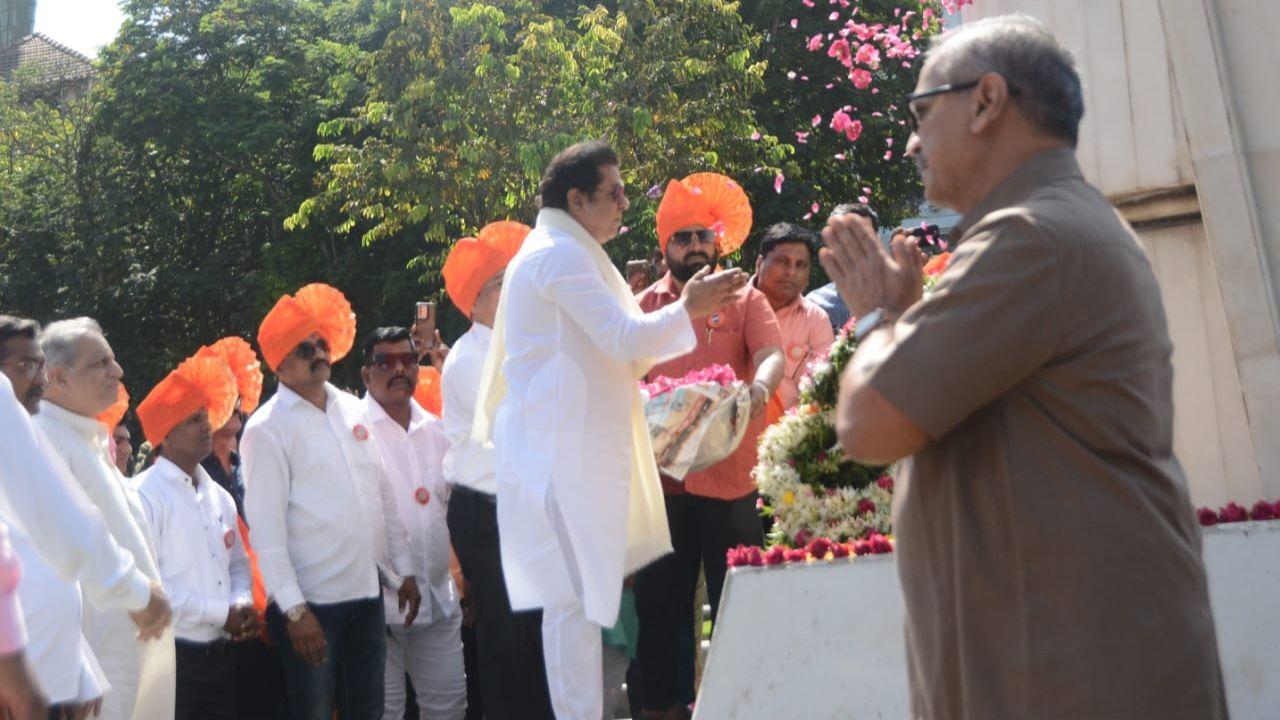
(700, 218)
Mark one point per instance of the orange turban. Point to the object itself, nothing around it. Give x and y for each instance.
(429, 394)
(112, 416)
(710, 200)
(316, 308)
(244, 364)
(472, 261)
(199, 382)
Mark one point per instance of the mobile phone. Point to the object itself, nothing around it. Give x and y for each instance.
(424, 324)
(930, 234)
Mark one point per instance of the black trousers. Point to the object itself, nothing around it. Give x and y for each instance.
(206, 683)
(260, 680)
(513, 677)
(702, 530)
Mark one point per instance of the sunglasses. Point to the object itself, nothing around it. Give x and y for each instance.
(306, 350)
(685, 238)
(390, 361)
(913, 115)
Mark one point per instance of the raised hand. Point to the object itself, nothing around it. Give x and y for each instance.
(866, 275)
(706, 292)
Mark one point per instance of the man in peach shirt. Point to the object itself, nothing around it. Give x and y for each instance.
(782, 272)
(701, 218)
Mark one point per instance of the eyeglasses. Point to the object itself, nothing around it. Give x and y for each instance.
(685, 238)
(913, 116)
(306, 350)
(390, 361)
(30, 367)
(618, 194)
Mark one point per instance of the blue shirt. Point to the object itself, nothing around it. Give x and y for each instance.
(829, 300)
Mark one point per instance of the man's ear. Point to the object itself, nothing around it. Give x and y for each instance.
(988, 102)
(364, 376)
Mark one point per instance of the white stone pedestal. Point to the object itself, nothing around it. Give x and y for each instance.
(824, 640)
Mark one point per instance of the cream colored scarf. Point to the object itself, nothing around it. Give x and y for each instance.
(648, 537)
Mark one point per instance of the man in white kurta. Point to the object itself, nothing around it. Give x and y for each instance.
(83, 379)
(579, 502)
(412, 444)
(323, 517)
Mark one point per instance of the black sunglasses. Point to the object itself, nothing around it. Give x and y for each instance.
(685, 238)
(306, 350)
(390, 361)
(913, 120)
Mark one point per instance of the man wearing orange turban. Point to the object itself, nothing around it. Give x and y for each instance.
(701, 218)
(323, 515)
(193, 522)
(513, 681)
(259, 673)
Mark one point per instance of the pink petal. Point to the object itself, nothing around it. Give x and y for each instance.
(777, 183)
(862, 199)
(755, 135)
(794, 23)
(817, 120)
(834, 16)
(889, 142)
(813, 208)
(840, 156)
(888, 155)
(791, 74)
(623, 230)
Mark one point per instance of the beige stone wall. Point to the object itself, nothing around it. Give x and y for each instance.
(1179, 130)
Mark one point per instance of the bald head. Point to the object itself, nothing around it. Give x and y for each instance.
(1020, 49)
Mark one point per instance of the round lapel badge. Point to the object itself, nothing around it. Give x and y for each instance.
(715, 320)
(797, 352)
(422, 495)
(361, 432)
(229, 538)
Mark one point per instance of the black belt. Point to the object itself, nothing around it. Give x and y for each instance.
(472, 492)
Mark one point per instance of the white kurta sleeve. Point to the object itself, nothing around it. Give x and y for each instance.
(67, 530)
(266, 503)
(572, 281)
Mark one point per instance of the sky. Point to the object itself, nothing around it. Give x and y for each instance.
(83, 25)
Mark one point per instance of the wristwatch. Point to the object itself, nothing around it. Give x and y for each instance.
(296, 612)
(868, 323)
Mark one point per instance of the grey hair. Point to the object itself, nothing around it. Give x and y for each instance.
(60, 340)
(1020, 49)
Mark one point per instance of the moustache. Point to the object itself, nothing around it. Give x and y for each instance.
(403, 380)
(317, 364)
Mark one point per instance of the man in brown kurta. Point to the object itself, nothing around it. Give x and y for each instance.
(1048, 555)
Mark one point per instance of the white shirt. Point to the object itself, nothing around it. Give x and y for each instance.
(318, 501)
(141, 674)
(467, 462)
(413, 460)
(202, 560)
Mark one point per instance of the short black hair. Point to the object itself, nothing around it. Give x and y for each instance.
(15, 327)
(785, 232)
(857, 209)
(391, 334)
(577, 167)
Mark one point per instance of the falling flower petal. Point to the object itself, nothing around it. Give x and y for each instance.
(862, 199)
(889, 142)
(791, 74)
(815, 43)
(888, 155)
(817, 120)
(840, 156)
(813, 208)
(623, 230)
(802, 137)
(794, 23)
(834, 16)
(755, 135)
(777, 183)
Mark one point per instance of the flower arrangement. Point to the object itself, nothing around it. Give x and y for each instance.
(813, 490)
(816, 550)
(1233, 513)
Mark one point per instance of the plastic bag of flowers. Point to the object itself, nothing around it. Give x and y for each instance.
(697, 420)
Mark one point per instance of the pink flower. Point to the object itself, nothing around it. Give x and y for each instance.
(733, 556)
(802, 538)
(839, 550)
(775, 555)
(1207, 517)
(880, 544)
(1232, 513)
(712, 374)
(885, 482)
(866, 506)
(755, 135)
(867, 55)
(860, 78)
(861, 547)
(819, 547)
(1276, 508)
(1262, 510)
(802, 138)
(842, 123)
(815, 43)
(840, 51)
(797, 555)
(816, 121)
(777, 183)
(754, 556)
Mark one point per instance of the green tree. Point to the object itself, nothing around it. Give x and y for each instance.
(468, 102)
